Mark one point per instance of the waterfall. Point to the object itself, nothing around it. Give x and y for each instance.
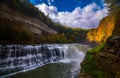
(21, 58)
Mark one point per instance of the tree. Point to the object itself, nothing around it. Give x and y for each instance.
(113, 5)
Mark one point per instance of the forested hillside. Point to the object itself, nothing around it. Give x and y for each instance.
(21, 22)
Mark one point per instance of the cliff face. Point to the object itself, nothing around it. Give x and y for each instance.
(33, 24)
(18, 27)
(105, 62)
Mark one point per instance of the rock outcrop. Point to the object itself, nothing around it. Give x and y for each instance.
(33, 24)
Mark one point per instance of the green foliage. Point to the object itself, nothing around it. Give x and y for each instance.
(64, 34)
(92, 67)
(53, 38)
(71, 34)
(97, 48)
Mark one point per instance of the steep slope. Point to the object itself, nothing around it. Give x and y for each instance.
(111, 51)
(104, 62)
(13, 23)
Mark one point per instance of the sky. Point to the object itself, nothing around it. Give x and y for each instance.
(73, 13)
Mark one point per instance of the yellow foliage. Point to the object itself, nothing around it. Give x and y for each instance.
(103, 31)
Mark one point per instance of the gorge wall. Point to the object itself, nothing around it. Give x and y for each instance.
(105, 62)
(18, 27)
(109, 57)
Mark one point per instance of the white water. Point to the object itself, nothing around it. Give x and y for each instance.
(75, 56)
(21, 58)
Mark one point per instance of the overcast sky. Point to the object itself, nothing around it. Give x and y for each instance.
(73, 13)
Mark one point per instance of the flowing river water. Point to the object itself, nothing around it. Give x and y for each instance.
(41, 61)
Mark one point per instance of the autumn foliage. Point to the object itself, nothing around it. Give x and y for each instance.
(103, 31)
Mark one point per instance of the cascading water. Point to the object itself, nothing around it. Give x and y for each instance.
(21, 58)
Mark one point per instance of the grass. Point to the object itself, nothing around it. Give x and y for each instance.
(91, 65)
(96, 49)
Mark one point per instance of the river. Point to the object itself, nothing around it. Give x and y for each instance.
(41, 61)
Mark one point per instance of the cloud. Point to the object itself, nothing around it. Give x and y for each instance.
(50, 2)
(51, 10)
(87, 17)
